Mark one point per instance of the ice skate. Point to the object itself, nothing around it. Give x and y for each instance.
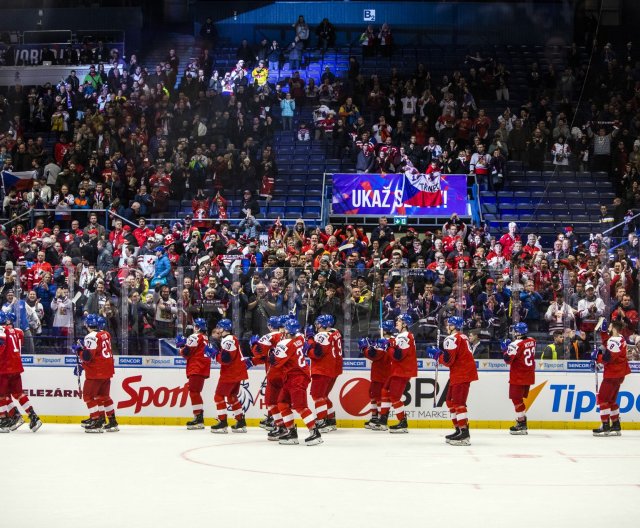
(15, 421)
(329, 425)
(314, 438)
(95, 427)
(112, 426)
(400, 427)
(220, 427)
(4, 425)
(381, 423)
(462, 438)
(267, 424)
(520, 428)
(290, 438)
(86, 422)
(276, 433)
(34, 422)
(603, 430)
(615, 430)
(450, 436)
(240, 426)
(371, 424)
(196, 423)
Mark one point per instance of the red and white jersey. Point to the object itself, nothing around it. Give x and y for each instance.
(402, 352)
(322, 353)
(289, 357)
(11, 340)
(459, 358)
(618, 364)
(336, 338)
(100, 366)
(198, 363)
(521, 355)
(380, 363)
(232, 367)
(261, 352)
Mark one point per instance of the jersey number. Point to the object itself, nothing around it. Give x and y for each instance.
(104, 350)
(301, 361)
(529, 354)
(14, 342)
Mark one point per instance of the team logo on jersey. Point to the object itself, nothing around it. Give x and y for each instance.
(354, 396)
(244, 396)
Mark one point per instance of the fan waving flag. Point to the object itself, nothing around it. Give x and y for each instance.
(423, 190)
(21, 181)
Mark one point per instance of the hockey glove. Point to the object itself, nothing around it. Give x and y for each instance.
(434, 352)
(504, 345)
(363, 343)
(211, 351)
(180, 340)
(382, 343)
(254, 339)
(309, 331)
(77, 370)
(248, 363)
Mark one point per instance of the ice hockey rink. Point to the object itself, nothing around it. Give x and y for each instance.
(157, 476)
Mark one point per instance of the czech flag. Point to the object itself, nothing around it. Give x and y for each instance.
(21, 181)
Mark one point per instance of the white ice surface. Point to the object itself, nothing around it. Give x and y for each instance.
(151, 476)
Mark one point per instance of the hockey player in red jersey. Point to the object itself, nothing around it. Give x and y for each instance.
(616, 367)
(462, 371)
(195, 350)
(96, 360)
(520, 355)
(288, 358)
(380, 371)
(324, 349)
(11, 370)
(232, 372)
(404, 366)
(260, 349)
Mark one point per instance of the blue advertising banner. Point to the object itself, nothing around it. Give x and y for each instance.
(406, 194)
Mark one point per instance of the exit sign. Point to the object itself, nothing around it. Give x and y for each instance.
(400, 220)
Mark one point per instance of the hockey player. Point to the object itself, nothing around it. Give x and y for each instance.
(520, 355)
(335, 336)
(96, 360)
(462, 371)
(380, 371)
(323, 349)
(11, 370)
(288, 357)
(404, 366)
(616, 367)
(195, 350)
(232, 372)
(260, 348)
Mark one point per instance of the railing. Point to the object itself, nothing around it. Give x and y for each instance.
(143, 321)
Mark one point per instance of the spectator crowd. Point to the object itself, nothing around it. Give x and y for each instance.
(117, 148)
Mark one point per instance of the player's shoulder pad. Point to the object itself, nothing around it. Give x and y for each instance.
(280, 351)
(402, 341)
(192, 340)
(450, 342)
(614, 344)
(266, 339)
(322, 338)
(512, 349)
(228, 343)
(91, 341)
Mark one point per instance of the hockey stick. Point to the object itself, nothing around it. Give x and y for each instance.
(595, 366)
(435, 376)
(79, 373)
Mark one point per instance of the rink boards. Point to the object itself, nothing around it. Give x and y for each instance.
(153, 390)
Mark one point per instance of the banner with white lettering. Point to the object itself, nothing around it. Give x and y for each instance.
(146, 387)
(411, 193)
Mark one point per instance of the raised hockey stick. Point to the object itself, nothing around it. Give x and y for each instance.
(595, 367)
(435, 376)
